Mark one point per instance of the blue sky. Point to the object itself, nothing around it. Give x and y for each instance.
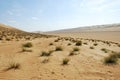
(46, 15)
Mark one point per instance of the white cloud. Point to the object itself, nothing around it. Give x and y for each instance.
(95, 5)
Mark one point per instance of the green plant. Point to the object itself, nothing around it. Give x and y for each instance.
(104, 50)
(28, 45)
(111, 59)
(78, 43)
(46, 53)
(65, 61)
(58, 48)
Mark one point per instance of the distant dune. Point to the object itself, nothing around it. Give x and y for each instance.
(10, 33)
(109, 27)
(110, 32)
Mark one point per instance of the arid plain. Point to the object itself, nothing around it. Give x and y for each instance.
(91, 54)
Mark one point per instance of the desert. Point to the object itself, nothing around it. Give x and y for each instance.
(66, 56)
(59, 39)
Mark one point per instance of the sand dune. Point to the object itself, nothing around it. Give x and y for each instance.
(10, 33)
(94, 28)
(54, 58)
(109, 32)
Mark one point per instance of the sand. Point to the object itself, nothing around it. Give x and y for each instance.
(85, 64)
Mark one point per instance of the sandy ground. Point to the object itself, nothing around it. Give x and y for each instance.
(100, 35)
(86, 65)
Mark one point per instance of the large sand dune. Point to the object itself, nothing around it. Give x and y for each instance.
(109, 32)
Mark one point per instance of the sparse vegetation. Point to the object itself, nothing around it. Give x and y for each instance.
(28, 45)
(78, 43)
(95, 44)
(65, 61)
(13, 65)
(51, 44)
(56, 40)
(76, 49)
(91, 47)
(44, 53)
(85, 43)
(118, 45)
(69, 44)
(104, 50)
(71, 53)
(58, 48)
(111, 59)
(45, 60)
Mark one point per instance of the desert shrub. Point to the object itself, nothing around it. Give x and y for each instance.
(104, 50)
(58, 48)
(28, 45)
(118, 45)
(56, 40)
(71, 53)
(76, 49)
(13, 65)
(65, 61)
(95, 44)
(91, 47)
(69, 44)
(85, 43)
(45, 60)
(8, 39)
(46, 53)
(79, 43)
(111, 59)
(51, 44)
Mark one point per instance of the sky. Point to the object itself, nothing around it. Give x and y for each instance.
(48, 15)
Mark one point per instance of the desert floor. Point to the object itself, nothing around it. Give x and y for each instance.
(100, 35)
(85, 64)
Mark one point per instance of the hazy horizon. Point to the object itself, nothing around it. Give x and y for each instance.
(49, 15)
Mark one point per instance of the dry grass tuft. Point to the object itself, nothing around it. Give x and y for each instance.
(44, 53)
(76, 49)
(45, 60)
(78, 43)
(28, 45)
(111, 59)
(104, 50)
(13, 65)
(65, 61)
(91, 47)
(58, 48)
